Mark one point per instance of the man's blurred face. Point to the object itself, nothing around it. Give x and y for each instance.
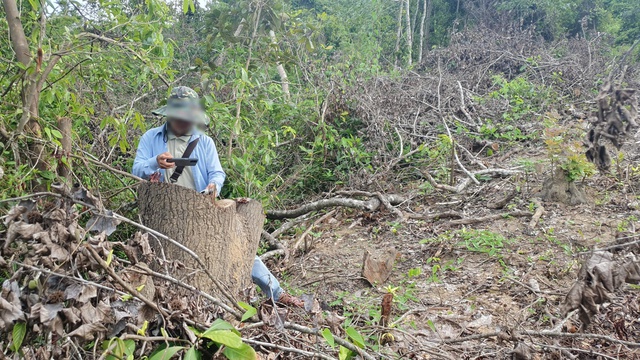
(180, 127)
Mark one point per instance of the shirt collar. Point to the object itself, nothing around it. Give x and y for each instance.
(183, 138)
(161, 130)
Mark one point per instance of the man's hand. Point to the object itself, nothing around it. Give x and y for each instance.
(162, 161)
(211, 189)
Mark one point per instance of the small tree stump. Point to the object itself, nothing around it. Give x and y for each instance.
(224, 234)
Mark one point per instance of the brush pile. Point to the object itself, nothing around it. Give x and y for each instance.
(69, 293)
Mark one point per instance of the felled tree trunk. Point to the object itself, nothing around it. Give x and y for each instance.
(224, 234)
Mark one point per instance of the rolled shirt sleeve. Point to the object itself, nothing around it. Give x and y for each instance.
(215, 173)
(145, 162)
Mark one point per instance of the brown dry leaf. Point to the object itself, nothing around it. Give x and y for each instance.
(58, 253)
(14, 214)
(47, 247)
(142, 241)
(632, 270)
(70, 316)
(21, 229)
(10, 307)
(521, 352)
(376, 268)
(101, 223)
(190, 334)
(59, 233)
(87, 332)
(89, 313)
(601, 275)
(105, 312)
(56, 215)
(76, 233)
(80, 292)
(334, 321)
(274, 317)
(47, 314)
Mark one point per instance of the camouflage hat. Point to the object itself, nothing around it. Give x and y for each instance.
(183, 104)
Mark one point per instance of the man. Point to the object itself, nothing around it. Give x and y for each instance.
(184, 115)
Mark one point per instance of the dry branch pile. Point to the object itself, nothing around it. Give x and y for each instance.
(71, 287)
(454, 85)
(600, 277)
(74, 290)
(616, 117)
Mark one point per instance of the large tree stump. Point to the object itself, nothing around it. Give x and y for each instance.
(224, 234)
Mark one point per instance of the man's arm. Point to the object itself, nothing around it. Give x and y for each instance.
(215, 174)
(145, 163)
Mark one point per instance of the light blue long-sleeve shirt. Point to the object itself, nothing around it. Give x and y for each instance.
(207, 171)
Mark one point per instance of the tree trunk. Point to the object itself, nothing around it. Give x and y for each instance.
(424, 42)
(64, 125)
(18, 38)
(224, 234)
(399, 33)
(426, 7)
(284, 80)
(409, 35)
(414, 19)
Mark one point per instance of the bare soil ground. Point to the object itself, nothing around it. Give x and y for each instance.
(447, 288)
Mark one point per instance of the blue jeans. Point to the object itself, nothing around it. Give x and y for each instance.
(262, 277)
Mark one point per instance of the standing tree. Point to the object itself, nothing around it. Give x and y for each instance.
(68, 63)
(409, 34)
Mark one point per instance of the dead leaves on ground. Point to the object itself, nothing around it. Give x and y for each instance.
(70, 297)
(601, 275)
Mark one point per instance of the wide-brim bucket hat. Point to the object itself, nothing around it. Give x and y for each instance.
(183, 104)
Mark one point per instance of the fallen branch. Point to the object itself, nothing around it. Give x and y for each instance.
(273, 253)
(308, 354)
(545, 334)
(306, 232)
(215, 301)
(123, 283)
(464, 183)
(367, 205)
(471, 337)
(455, 153)
(410, 312)
(467, 221)
(152, 338)
(617, 246)
(537, 214)
(107, 167)
(436, 216)
(38, 194)
(590, 351)
(73, 278)
(273, 242)
(580, 336)
(288, 225)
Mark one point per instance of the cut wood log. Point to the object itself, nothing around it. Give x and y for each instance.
(224, 234)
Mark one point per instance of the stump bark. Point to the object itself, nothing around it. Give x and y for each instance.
(558, 188)
(224, 234)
